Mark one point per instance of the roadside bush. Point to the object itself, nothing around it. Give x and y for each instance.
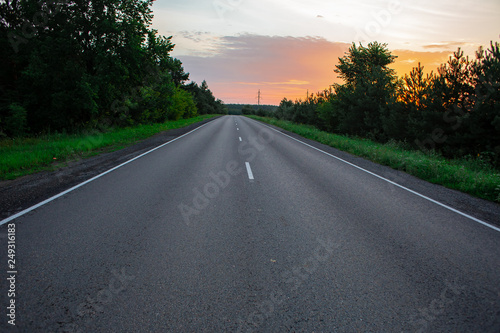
(183, 105)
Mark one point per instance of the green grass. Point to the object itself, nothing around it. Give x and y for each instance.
(20, 157)
(472, 176)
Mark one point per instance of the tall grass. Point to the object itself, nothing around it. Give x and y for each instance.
(472, 176)
(19, 157)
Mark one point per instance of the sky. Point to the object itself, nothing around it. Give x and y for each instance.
(287, 48)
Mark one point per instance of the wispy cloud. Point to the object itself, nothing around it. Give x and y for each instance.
(468, 47)
(444, 45)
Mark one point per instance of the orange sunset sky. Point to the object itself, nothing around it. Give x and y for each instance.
(286, 48)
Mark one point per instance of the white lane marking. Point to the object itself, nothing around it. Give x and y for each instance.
(240, 139)
(10, 218)
(391, 182)
(249, 170)
(237, 129)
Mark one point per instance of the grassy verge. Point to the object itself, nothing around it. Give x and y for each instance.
(470, 176)
(20, 157)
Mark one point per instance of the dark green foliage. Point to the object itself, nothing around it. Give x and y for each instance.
(285, 110)
(233, 109)
(484, 121)
(85, 64)
(247, 110)
(237, 109)
(16, 121)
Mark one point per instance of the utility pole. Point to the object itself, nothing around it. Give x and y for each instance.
(259, 98)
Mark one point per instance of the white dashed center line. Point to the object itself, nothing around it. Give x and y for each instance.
(249, 170)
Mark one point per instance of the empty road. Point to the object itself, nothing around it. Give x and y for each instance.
(236, 227)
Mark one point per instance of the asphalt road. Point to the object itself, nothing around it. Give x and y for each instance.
(237, 227)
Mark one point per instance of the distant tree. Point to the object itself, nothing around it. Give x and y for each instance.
(261, 112)
(234, 109)
(247, 110)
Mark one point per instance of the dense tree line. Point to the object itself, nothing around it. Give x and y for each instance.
(455, 111)
(258, 110)
(205, 100)
(72, 64)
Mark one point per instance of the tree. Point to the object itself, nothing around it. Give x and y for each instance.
(417, 116)
(484, 121)
(177, 71)
(364, 99)
(285, 110)
(247, 110)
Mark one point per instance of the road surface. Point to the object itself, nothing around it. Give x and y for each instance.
(236, 227)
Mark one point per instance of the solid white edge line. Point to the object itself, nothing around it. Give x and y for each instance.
(249, 170)
(15, 216)
(391, 182)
